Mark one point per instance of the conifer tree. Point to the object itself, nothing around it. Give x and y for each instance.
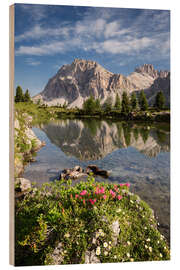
(19, 97)
(125, 105)
(160, 100)
(133, 101)
(117, 103)
(27, 97)
(143, 101)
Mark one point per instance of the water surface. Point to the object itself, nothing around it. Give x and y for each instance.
(137, 153)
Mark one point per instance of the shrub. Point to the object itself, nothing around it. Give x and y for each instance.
(79, 218)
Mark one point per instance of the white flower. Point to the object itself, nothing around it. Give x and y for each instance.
(85, 231)
(132, 260)
(164, 247)
(98, 251)
(109, 242)
(105, 253)
(115, 257)
(158, 241)
(146, 246)
(97, 234)
(102, 234)
(128, 255)
(105, 244)
(160, 255)
(128, 243)
(100, 230)
(145, 228)
(131, 201)
(118, 210)
(150, 249)
(148, 240)
(67, 235)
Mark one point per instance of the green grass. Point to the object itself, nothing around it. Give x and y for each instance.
(58, 212)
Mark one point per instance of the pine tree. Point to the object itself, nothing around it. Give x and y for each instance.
(125, 105)
(97, 104)
(133, 101)
(19, 97)
(27, 97)
(143, 101)
(117, 103)
(108, 104)
(89, 105)
(160, 100)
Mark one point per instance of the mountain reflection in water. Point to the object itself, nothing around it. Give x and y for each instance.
(93, 139)
(134, 152)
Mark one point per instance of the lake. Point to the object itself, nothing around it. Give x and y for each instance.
(138, 153)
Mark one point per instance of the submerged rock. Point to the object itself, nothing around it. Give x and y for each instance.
(78, 172)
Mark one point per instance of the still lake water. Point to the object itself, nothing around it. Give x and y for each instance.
(135, 153)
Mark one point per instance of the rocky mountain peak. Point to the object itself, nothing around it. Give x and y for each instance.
(75, 82)
(148, 69)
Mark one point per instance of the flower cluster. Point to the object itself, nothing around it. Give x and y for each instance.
(101, 193)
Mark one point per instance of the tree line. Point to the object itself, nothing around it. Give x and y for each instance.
(22, 97)
(126, 105)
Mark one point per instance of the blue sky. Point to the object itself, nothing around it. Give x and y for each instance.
(47, 37)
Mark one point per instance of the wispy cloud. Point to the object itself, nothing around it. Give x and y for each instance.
(146, 33)
(32, 62)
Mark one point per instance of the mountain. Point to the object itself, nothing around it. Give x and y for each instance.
(74, 83)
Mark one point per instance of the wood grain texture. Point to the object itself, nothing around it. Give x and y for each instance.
(11, 136)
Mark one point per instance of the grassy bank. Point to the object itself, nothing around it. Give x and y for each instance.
(87, 222)
(43, 114)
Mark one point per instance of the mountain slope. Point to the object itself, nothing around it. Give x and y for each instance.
(74, 83)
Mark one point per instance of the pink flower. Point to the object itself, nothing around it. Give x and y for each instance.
(127, 184)
(121, 185)
(119, 197)
(102, 190)
(92, 201)
(83, 192)
(112, 193)
(104, 197)
(76, 196)
(84, 202)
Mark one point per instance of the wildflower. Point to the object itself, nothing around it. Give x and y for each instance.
(109, 242)
(128, 243)
(119, 197)
(76, 196)
(118, 210)
(104, 197)
(67, 235)
(105, 244)
(97, 234)
(84, 202)
(115, 257)
(158, 242)
(112, 193)
(63, 210)
(71, 196)
(164, 247)
(92, 201)
(98, 251)
(127, 184)
(148, 240)
(128, 255)
(145, 228)
(150, 249)
(109, 247)
(102, 190)
(146, 246)
(160, 255)
(131, 201)
(132, 260)
(105, 253)
(85, 231)
(100, 230)
(83, 192)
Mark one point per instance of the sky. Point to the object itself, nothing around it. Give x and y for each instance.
(119, 39)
